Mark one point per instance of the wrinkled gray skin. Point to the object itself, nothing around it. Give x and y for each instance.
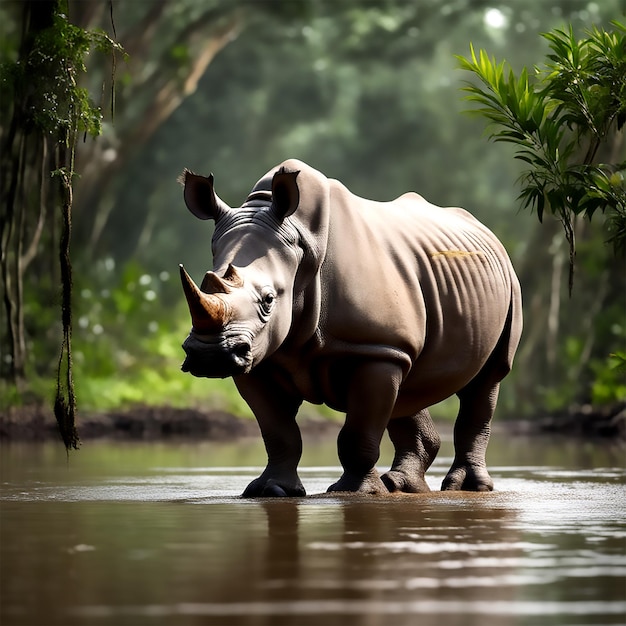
(378, 310)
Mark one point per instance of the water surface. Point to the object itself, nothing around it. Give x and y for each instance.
(133, 534)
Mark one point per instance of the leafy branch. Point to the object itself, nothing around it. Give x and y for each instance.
(563, 119)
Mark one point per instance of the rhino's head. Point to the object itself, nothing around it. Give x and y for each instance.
(243, 311)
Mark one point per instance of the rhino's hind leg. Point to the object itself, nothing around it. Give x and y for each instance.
(471, 436)
(477, 405)
(416, 444)
(372, 394)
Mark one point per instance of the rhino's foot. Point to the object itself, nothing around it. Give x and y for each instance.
(274, 488)
(399, 480)
(467, 478)
(370, 484)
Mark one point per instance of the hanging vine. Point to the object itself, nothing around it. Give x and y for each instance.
(49, 112)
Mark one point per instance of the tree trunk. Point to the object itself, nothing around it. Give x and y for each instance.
(22, 163)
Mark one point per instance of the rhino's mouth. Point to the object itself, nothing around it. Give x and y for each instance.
(217, 359)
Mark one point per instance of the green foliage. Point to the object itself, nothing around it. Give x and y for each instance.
(609, 384)
(48, 79)
(565, 123)
(558, 118)
(130, 325)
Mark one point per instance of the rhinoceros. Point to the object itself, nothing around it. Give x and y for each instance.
(377, 309)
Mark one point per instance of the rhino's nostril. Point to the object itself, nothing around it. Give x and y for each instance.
(241, 350)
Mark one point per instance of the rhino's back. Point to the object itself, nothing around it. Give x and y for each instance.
(431, 283)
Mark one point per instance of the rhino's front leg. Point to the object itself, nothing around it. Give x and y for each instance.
(372, 394)
(275, 409)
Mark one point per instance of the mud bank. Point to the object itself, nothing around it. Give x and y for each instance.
(37, 423)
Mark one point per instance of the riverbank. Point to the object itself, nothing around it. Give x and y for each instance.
(606, 422)
(37, 423)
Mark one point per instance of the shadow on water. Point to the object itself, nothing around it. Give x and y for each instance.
(149, 534)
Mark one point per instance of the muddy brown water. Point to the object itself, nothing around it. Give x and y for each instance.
(156, 534)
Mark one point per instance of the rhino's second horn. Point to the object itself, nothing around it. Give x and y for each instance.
(212, 283)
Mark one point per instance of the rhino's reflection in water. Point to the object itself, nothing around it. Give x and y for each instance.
(409, 556)
(156, 538)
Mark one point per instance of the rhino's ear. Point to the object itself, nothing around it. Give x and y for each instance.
(285, 192)
(200, 196)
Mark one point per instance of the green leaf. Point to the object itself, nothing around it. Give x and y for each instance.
(558, 119)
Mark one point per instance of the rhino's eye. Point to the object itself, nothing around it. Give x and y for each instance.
(268, 296)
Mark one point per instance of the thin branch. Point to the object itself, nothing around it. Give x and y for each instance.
(136, 42)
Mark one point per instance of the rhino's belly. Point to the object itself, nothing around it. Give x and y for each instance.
(448, 361)
(327, 378)
(427, 386)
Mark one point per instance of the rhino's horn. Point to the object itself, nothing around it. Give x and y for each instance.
(233, 277)
(209, 313)
(212, 283)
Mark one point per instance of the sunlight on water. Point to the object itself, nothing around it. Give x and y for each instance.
(360, 607)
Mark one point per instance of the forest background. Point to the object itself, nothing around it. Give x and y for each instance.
(366, 92)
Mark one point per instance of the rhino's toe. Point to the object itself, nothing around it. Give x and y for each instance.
(467, 478)
(272, 488)
(399, 481)
(370, 484)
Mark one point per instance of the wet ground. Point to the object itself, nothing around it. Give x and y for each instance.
(149, 533)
